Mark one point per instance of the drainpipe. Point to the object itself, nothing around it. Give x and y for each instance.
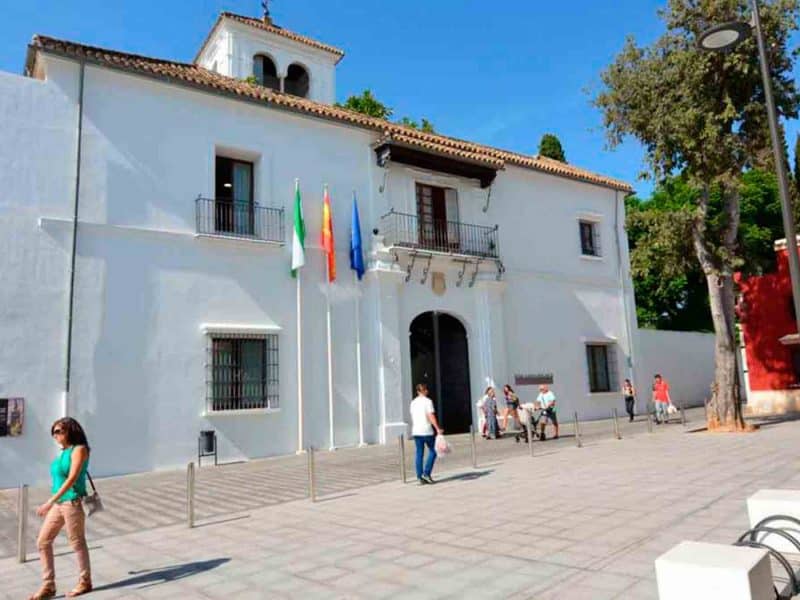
(621, 275)
(70, 309)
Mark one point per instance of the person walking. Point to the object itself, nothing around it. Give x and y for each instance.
(661, 399)
(490, 407)
(547, 402)
(512, 407)
(65, 509)
(629, 393)
(482, 415)
(423, 424)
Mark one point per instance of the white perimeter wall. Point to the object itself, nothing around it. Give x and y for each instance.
(684, 358)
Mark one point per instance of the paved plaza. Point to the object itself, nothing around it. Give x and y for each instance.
(568, 523)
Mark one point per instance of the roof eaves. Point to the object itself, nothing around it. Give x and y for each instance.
(199, 78)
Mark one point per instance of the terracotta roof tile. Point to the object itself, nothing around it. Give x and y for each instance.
(200, 77)
(272, 28)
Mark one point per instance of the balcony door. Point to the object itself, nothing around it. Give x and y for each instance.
(437, 214)
(233, 206)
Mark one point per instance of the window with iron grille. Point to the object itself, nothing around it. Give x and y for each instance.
(590, 238)
(242, 372)
(602, 363)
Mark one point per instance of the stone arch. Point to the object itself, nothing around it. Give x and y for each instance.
(440, 358)
(298, 80)
(265, 70)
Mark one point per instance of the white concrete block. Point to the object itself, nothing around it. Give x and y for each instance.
(702, 571)
(766, 503)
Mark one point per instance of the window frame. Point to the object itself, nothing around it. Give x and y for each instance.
(595, 251)
(236, 402)
(609, 365)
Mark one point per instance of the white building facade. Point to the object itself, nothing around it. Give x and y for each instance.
(484, 267)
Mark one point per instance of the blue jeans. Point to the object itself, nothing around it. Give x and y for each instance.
(661, 411)
(421, 441)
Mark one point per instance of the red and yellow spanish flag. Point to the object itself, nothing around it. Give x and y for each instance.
(327, 235)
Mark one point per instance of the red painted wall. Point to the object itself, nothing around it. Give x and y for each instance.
(766, 314)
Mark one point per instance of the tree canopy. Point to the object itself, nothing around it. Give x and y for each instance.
(669, 284)
(368, 104)
(550, 146)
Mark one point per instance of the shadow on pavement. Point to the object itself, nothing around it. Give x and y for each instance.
(466, 476)
(220, 521)
(769, 420)
(152, 577)
(336, 497)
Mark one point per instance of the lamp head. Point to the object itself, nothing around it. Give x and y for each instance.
(723, 37)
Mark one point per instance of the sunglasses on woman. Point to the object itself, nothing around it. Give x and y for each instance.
(58, 431)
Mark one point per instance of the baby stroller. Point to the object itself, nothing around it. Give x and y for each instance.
(529, 417)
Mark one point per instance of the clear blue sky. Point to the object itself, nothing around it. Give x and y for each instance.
(500, 73)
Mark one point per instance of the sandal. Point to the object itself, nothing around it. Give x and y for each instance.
(79, 590)
(45, 592)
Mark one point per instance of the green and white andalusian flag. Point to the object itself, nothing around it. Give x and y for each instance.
(298, 232)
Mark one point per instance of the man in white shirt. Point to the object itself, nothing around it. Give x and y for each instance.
(547, 402)
(423, 423)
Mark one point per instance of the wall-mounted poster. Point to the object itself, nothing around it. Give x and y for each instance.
(533, 379)
(12, 416)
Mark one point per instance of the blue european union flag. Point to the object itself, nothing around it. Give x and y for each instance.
(356, 249)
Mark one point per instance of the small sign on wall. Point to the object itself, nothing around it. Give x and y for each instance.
(12, 416)
(533, 379)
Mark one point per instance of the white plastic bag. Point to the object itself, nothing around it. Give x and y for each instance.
(671, 409)
(442, 447)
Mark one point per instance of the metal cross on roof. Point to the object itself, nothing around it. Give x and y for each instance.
(265, 6)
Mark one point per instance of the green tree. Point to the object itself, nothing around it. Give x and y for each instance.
(425, 126)
(702, 115)
(670, 287)
(550, 146)
(367, 104)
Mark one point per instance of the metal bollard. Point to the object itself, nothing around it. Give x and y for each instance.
(472, 447)
(683, 416)
(190, 494)
(530, 437)
(312, 483)
(578, 431)
(617, 432)
(401, 440)
(22, 523)
(649, 423)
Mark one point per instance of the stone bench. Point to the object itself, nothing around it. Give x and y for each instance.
(703, 571)
(767, 503)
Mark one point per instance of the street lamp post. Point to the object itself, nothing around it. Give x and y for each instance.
(724, 37)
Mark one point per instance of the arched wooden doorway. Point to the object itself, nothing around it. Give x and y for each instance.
(440, 358)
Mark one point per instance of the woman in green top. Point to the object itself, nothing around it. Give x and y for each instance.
(64, 508)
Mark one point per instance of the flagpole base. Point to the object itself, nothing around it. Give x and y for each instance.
(362, 445)
(332, 449)
(300, 452)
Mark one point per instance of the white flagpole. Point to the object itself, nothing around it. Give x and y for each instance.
(330, 361)
(300, 449)
(361, 442)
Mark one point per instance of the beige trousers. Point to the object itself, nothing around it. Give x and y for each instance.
(69, 514)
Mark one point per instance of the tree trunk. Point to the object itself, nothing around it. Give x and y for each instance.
(725, 407)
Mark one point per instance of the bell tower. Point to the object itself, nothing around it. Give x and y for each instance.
(264, 53)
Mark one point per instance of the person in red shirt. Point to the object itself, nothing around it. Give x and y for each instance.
(661, 399)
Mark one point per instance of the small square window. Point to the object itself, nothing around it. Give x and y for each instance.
(602, 365)
(243, 372)
(590, 240)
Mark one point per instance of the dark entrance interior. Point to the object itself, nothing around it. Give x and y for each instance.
(440, 358)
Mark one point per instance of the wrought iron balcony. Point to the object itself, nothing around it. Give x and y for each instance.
(440, 235)
(245, 220)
